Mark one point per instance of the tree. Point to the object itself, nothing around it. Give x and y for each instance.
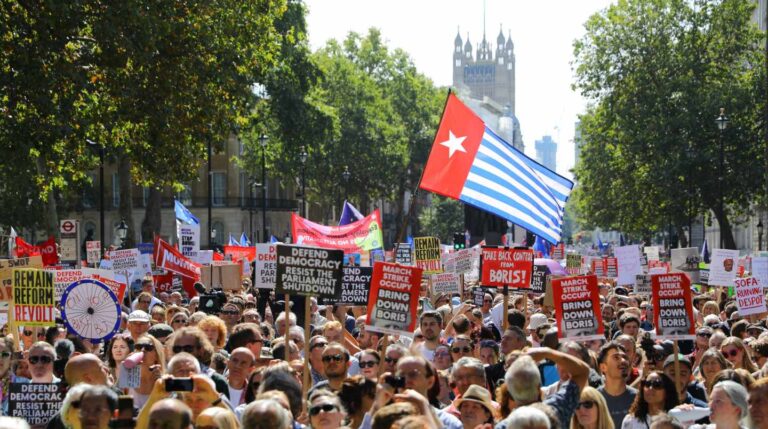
(656, 73)
(444, 218)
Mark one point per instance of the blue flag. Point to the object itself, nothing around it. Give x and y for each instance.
(244, 241)
(273, 239)
(232, 241)
(541, 246)
(349, 214)
(184, 215)
(705, 252)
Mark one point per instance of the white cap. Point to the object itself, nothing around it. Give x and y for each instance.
(537, 320)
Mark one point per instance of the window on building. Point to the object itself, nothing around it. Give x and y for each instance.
(244, 189)
(458, 63)
(219, 191)
(501, 61)
(115, 190)
(218, 226)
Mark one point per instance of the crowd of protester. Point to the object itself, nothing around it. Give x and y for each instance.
(247, 367)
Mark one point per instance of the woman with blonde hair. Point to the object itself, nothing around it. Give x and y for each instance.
(152, 367)
(215, 329)
(217, 418)
(592, 411)
(710, 307)
(733, 349)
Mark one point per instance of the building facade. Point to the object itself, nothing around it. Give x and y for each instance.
(546, 152)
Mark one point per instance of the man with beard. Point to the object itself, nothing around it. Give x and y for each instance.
(336, 363)
(430, 325)
(614, 365)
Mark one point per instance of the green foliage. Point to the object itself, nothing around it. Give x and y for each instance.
(657, 72)
(442, 219)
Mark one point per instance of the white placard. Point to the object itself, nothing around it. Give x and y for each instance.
(652, 252)
(628, 260)
(722, 270)
(750, 297)
(189, 238)
(125, 259)
(266, 266)
(760, 269)
(445, 283)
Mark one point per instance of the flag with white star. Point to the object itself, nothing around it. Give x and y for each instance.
(470, 163)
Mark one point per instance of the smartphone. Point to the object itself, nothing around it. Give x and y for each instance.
(179, 385)
(395, 382)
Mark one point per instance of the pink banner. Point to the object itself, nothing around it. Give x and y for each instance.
(356, 237)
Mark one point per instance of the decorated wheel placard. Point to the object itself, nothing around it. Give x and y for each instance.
(90, 310)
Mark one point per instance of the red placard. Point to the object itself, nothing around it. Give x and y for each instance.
(577, 308)
(169, 258)
(506, 267)
(611, 267)
(163, 282)
(673, 306)
(239, 252)
(47, 250)
(394, 298)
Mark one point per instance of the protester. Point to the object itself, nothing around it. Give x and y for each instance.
(266, 414)
(217, 418)
(591, 411)
(325, 410)
(656, 396)
(369, 364)
(733, 349)
(728, 405)
(476, 408)
(41, 357)
(614, 365)
(710, 363)
(758, 404)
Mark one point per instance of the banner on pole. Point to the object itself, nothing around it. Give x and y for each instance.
(308, 271)
(189, 238)
(506, 267)
(355, 287)
(394, 299)
(33, 297)
(167, 257)
(577, 305)
(427, 253)
(355, 237)
(673, 315)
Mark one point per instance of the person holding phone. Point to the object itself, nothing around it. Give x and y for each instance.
(197, 392)
(152, 364)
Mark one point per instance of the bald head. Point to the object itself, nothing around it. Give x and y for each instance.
(266, 414)
(170, 414)
(86, 368)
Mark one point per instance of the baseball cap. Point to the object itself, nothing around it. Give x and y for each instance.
(670, 360)
(537, 320)
(139, 316)
(621, 291)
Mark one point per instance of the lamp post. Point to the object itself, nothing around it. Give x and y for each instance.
(760, 235)
(722, 124)
(122, 232)
(303, 158)
(346, 175)
(263, 141)
(101, 187)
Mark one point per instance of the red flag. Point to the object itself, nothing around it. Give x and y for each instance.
(240, 252)
(47, 250)
(169, 258)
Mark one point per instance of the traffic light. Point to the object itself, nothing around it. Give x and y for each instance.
(459, 241)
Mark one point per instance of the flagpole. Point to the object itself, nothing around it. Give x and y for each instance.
(401, 234)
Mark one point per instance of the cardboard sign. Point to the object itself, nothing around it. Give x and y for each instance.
(394, 299)
(355, 287)
(539, 278)
(6, 276)
(163, 282)
(686, 260)
(445, 283)
(36, 403)
(463, 260)
(577, 308)
(222, 275)
(125, 259)
(628, 260)
(750, 297)
(33, 297)
(506, 267)
(427, 253)
(652, 253)
(189, 238)
(722, 269)
(573, 263)
(643, 284)
(130, 378)
(266, 266)
(93, 252)
(309, 271)
(657, 267)
(673, 315)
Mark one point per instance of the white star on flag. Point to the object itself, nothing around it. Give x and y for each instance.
(454, 144)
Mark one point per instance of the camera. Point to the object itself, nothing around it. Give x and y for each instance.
(210, 302)
(395, 381)
(179, 385)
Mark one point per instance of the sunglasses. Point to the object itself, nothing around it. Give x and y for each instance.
(184, 321)
(465, 349)
(338, 358)
(5, 355)
(587, 405)
(654, 384)
(187, 348)
(145, 347)
(368, 364)
(145, 302)
(45, 360)
(316, 345)
(704, 334)
(230, 312)
(731, 353)
(326, 408)
(391, 360)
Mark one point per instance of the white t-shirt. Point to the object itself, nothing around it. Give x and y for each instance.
(235, 395)
(426, 352)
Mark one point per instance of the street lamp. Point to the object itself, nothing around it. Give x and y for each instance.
(122, 232)
(346, 175)
(101, 187)
(760, 235)
(722, 124)
(263, 141)
(303, 158)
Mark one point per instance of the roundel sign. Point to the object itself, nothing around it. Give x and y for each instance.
(67, 226)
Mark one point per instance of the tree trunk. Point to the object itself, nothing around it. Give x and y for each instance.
(126, 198)
(725, 230)
(51, 217)
(153, 219)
